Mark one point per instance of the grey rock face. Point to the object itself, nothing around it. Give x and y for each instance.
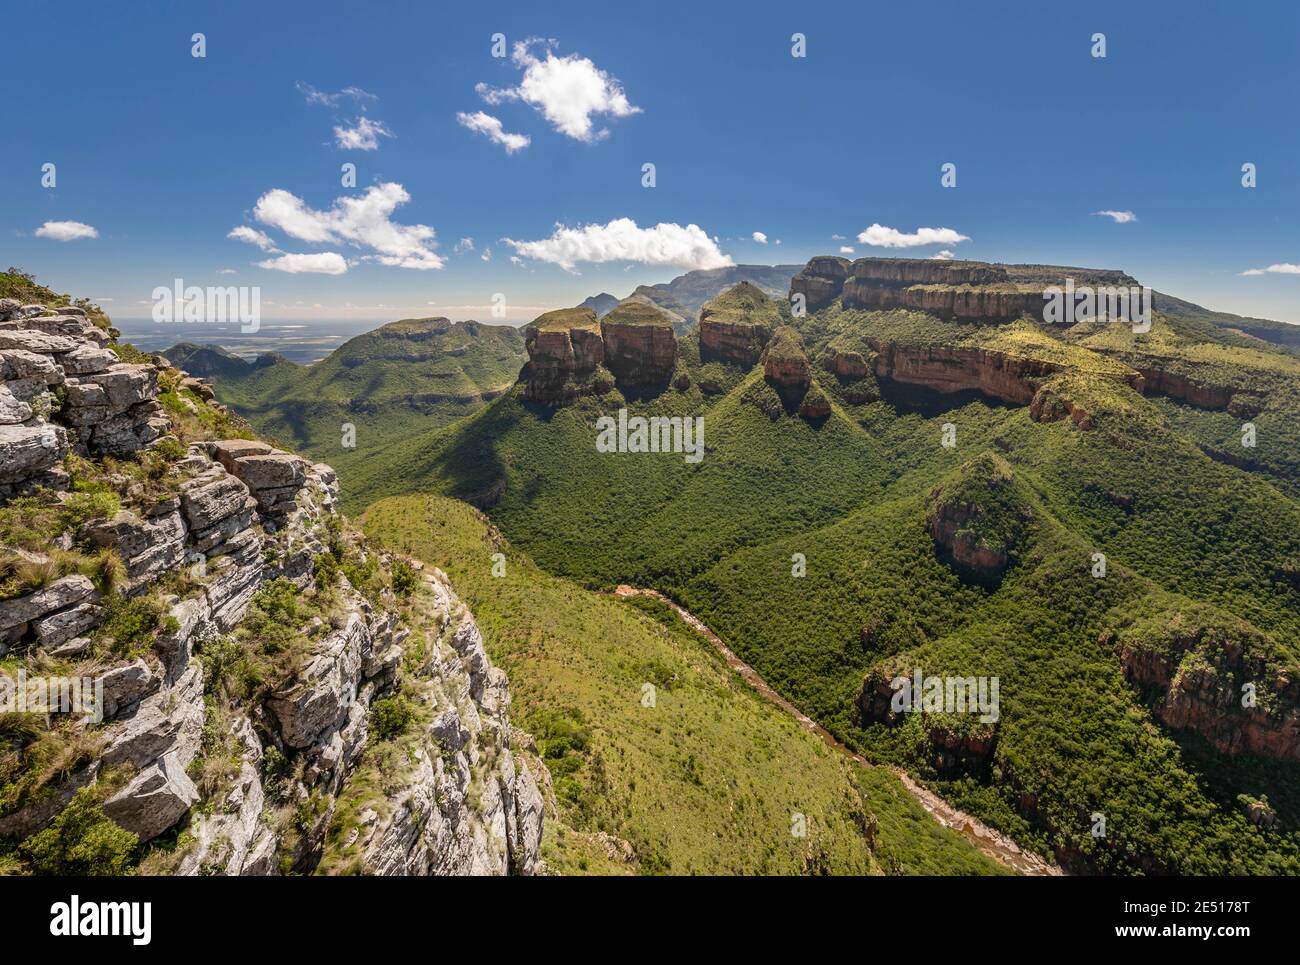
(26, 450)
(155, 799)
(240, 514)
(65, 592)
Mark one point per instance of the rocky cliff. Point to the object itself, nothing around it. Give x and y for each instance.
(265, 691)
(960, 290)
(640, 345)
(1216, 675)
(735, 326)
(571, 352)
(564, 350)
(979, 518)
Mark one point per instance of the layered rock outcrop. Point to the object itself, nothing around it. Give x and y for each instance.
(204, 537)
(735, 326)
(821, 281)
(1217, 676)
(964, 291)
(978, 518)
(785, 364)
(640, 345)
(1015, 379)
(565, 348)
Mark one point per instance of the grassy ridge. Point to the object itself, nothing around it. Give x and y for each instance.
(708, 779)
(406, 377)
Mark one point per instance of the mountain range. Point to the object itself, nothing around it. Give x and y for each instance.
(1104, 519)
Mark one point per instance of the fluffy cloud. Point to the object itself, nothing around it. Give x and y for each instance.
(759, 237)
(465, 244)
(363, 136)
(845, 250)
(324, 263)
(944, 255)
(878, 236)
(566, 90)
(622, 240)
(1280, 269)
(364, 221)
(66, 231)
(1119, 217)
(491, 128)
(254, 237)
(314, 96)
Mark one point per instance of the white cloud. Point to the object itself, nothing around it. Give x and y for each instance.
(487, 254)
(838, 238)
(254, 237)
(566, 90)
(622, 240)
(314, 96)
(878, 236)
(323, 263)
(1119, 217)
(465, 244)
(227, 271)
(490, 127)
(944, 255)
(845, 250)
(364, 221)
(363, 137)
(759, 237)
(66, 231)
(1279, 269)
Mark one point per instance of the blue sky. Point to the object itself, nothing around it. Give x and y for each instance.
(163, 154)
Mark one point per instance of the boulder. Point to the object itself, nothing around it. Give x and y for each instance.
(62, 593)
(26, 450)
(207, 500)
(155, 799)
(42, 343)
(55, 629)
(12, 410)
(126, 384)
(126, 685)
(271, 471)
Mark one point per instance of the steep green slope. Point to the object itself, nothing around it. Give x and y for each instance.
(408, 376)
(708, 779)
